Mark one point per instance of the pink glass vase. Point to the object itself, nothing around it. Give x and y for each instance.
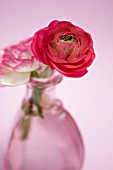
(45, 136)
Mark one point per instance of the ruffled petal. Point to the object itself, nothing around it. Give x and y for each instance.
(53, 24)
(27, 65)
(69, 72)
(15, 79)
(36, 46)
(53, 56)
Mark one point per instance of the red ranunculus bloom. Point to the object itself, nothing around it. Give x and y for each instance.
(64, 47)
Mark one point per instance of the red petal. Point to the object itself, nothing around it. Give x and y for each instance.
(37, 47)
(68, 72)
(53, 24)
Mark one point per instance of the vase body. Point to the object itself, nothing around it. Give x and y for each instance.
(49, 143)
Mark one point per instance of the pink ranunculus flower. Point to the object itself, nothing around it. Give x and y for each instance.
(16, 64)
(64, 47)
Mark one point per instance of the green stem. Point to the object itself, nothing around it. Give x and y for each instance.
(25, 126)
(36, 100)
(25, 121)
(34, 74)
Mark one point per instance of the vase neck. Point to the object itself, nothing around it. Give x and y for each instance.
(40, 93)
(43, 85)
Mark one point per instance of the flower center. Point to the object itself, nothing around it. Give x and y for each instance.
(66, 38)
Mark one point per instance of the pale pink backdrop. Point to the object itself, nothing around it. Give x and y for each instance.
(89, 99)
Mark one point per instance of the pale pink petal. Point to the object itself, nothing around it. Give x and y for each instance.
(3, 71)
(15, 79)
(27, 65)
(1, 54)
(19, 58)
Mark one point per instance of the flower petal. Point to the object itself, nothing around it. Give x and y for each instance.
(53, 24)
(27, 65)
(14, 79)
(36, 46)
(69, 58)
(51, 55)
(69, 72)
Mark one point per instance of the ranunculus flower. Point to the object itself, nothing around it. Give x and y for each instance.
(64, 47)
(16, 64)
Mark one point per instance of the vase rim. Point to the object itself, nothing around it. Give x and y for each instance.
(54, 79)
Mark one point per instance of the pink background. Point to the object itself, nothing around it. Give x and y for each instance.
(89, 99)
